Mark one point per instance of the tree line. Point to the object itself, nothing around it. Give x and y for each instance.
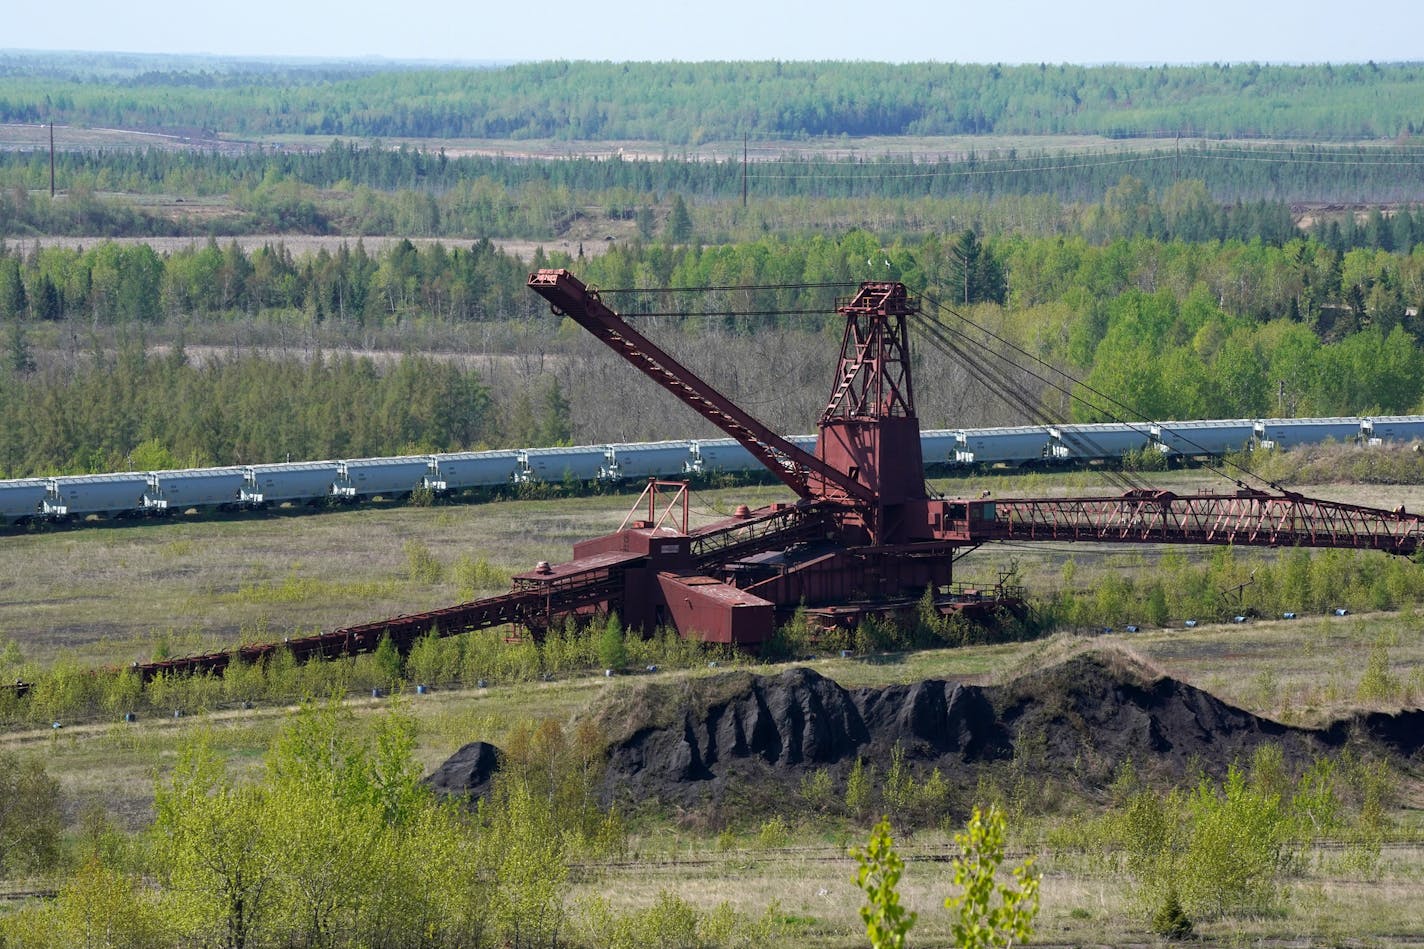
(1170, 328)
(1289, 172)
(723, 101)
(132, 283)
(1203, 193)
(139, 410)
(1132, 239)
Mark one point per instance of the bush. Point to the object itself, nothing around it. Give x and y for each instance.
(388, 662)
(886, 921)
(672, 923)
(612, 650)
(30, 821)
(773, 834)
(1170, 920)
(818, 790)
(421, 564)
(1376, 683)
(987, 913)
(859, 785)
(1218, 850)
(1238, 847)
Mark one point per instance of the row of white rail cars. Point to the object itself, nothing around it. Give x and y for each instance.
(78, 496)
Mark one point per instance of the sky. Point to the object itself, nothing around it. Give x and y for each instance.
(1005, 31)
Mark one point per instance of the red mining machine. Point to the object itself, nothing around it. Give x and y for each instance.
(864, 534)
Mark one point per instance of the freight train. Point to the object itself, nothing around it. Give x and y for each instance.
(83, 497)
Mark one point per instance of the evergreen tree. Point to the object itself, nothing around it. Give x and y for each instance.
(19, 357)
(48, 304)
(678, 228)
(612, 648)
(975, 274)
(13, 300)
(645, 223)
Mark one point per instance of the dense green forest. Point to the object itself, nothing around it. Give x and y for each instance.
(1172, 329)
(1367, 270)
(690, 103)
(1202, 193)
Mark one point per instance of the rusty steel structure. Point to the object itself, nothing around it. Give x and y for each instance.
(1244, 518)
(864, 534)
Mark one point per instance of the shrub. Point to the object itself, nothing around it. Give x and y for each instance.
(774, 833)
(987, 913)
(1218, 850)
(899, 787)
(474, 576)
(612, 650)
(1238, 847)
(388, 662)
(672, 923)
(1171, 920)
(886, 921)
(1376, 683)
(859, 785)
(817, 790)
(421, 565)
(30, 822)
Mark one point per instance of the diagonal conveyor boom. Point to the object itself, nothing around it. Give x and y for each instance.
(799, 469)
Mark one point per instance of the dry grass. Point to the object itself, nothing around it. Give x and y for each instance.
(108, 592)
(813, 891)
(113, 594)
(115, 765)
(1303, 671)
(116, 594)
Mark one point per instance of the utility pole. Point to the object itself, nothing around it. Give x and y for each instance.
(744, 169)
(51, 159)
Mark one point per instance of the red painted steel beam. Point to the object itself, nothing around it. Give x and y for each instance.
(532, 604)
(1245, 519)
(873, 378)
(798, 469)
(767, 529)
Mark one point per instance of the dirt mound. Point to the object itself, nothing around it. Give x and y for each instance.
(1399, 734)
(1094, 710)
(1073, 722)
(468, 772)
(798, 721)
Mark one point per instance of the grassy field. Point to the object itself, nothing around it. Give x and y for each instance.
(123, 592)
(113, 594)
(118, 593)
(806, 869)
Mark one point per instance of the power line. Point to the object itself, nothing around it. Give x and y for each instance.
(997, 380)
(841, 284)
(1074, 395)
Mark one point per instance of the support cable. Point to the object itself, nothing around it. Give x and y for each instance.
(1069, 391)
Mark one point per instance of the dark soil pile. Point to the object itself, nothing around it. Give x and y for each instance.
(1072, 724)
(741, 737)
(468, 772)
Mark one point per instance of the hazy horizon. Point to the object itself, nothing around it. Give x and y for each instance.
(1011, 32)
